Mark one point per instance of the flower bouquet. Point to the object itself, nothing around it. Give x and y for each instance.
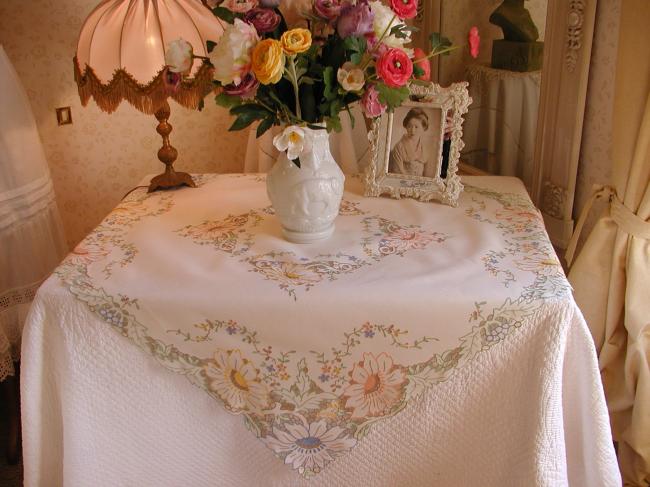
(302, 73)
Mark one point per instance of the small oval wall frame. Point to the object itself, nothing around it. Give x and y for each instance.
(453, 100)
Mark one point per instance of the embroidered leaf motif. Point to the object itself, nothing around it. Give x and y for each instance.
(304, 394)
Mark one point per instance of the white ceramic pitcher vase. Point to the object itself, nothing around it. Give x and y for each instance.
(306, 199)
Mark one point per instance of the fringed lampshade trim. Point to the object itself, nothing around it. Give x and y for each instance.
(146, 98)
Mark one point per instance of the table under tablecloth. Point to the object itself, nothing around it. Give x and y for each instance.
(421, 345)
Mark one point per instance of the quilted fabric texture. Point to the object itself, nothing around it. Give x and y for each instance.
(526, 409)
(97, 411)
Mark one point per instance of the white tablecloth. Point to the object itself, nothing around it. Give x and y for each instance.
(524, 408)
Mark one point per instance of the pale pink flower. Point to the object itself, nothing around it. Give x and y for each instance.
(376, 386)
(370, 103)
(231, 57)
(474, 42)
(87, 253)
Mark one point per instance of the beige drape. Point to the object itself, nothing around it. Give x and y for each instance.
(611, 275)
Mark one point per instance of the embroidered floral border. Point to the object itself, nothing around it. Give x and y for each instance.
(310, 417)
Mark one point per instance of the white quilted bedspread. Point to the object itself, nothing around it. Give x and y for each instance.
(525, 408)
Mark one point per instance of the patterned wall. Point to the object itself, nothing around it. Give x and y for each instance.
(595, 166)
(100, 157)
(456, 22)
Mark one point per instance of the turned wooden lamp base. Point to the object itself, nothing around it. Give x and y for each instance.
(167, 155)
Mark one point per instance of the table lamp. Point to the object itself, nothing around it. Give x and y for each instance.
(121, 56)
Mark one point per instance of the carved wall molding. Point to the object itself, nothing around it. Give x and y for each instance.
(554, 199)
(575, 19)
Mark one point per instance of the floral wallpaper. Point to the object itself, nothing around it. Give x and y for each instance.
(455, 24)
(100, 157)
(595, 166)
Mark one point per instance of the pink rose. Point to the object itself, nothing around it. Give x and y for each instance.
(376, 49)
(394, 67)
(370, 103)
(246, 89)
(405, 9)
(356, 19)
(263, 19)
(474, 42)
(171, 80)
(421, 61)
(327, 9)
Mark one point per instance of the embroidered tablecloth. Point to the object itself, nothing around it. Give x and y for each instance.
(315, 347)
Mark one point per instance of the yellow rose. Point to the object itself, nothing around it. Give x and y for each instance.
(295, 41)
(268, 61)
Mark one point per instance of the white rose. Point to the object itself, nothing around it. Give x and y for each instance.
(178, 56)
(294, 140)
(382, 17)
(350, 77)
(231, 57)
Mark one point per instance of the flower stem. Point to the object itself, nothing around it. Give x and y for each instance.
(383, 34)
(294, 82)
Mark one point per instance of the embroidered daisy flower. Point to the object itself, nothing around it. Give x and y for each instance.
(376, 386)
(545, 265)
(309, 446)
(87, 253)
(236, 382)
(401, 240)
(290, 273)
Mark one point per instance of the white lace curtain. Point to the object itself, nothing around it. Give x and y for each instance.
(31, 235)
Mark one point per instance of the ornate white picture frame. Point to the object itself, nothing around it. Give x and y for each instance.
(436, 114)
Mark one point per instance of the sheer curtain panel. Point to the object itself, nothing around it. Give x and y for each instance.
(31, 234)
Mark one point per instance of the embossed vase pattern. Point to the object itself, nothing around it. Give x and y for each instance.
(306, 199)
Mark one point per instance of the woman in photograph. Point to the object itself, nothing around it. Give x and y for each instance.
(408, 155)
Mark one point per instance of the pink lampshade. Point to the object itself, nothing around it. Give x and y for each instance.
(121, 51)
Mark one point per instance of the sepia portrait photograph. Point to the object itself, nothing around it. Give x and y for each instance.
(415, 141)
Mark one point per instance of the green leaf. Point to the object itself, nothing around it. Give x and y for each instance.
(417, 70)
(210, 45)
(250, 108)
(264, 125)
(355, 44)
(224, 14)
(400, 32)
(392, 97)
(329, 78)
(439, 43)
(333, 123)
(356, 48)
(335, 107)
(246, 115)
(227, 101)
